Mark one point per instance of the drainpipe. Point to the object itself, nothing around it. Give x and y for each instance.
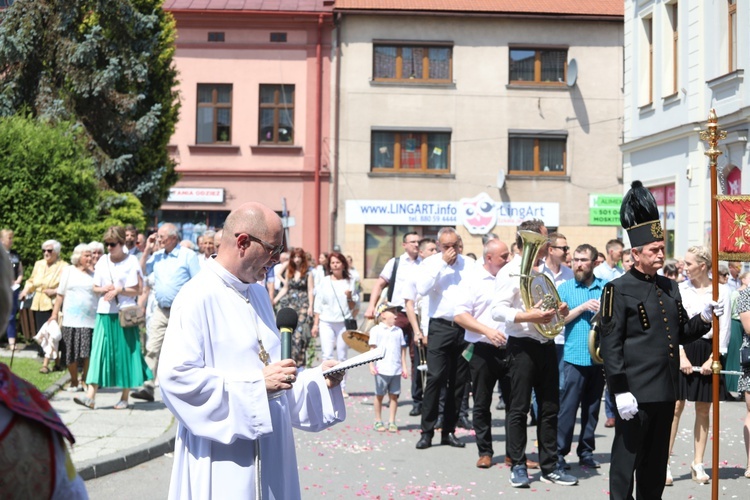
(336, 125)
(318, 129)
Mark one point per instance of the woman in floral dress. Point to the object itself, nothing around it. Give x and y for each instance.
(297, 293)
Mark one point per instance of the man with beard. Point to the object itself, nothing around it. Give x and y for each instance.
(583, 380)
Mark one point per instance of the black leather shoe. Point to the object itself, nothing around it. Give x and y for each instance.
(464, 423)
(425, 441)
(439, 422)
(415, 411)
(142, 394)
(451, 440)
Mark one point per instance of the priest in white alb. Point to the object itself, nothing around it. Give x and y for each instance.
(222, 377)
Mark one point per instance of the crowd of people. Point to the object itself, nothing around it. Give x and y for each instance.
(479, 334)
(465, 323)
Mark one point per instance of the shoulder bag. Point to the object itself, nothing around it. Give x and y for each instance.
(130, 315)
(349, 323)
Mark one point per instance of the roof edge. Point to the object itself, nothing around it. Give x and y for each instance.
(460, 13)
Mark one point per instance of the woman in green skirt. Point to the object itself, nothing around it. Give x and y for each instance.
(116, 359)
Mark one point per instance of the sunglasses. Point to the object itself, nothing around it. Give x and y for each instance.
(111, 244)
(564, 248)
(274, 250)
(47, 250)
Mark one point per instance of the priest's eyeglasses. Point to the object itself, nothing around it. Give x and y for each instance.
(274, 250)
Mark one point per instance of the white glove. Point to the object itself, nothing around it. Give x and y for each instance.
(627, 406)
(714, 307)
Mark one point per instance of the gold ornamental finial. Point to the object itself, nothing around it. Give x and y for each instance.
(712, 135)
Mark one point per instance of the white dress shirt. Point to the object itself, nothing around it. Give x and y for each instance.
(476, 294)
(508, 302)
(439, 281)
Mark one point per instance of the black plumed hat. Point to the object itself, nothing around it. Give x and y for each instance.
(639, 216)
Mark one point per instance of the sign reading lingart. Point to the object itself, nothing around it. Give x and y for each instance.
(479, 214)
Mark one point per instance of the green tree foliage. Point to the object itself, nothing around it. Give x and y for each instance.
(107, 66)
(48, 189)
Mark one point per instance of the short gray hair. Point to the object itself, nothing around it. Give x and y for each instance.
(78, 251)
(56, 246)
(96, 245)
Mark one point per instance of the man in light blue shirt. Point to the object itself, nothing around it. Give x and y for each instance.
(611, 268)
(584, 381)
(173, 266)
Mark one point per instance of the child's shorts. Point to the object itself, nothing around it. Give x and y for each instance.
(390, 384)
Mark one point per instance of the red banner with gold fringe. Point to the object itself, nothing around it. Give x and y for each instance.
(734, 227)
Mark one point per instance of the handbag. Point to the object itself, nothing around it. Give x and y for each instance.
(131, 316)
(745, 357)
(349, 323)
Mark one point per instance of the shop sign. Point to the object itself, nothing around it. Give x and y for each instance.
(604, 209)
(196, 195)
(479, 214)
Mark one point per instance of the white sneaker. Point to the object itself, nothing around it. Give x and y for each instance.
(699, 473)
(76, 388)
(669, 481)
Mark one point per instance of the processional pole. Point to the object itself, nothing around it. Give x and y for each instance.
(711, 136)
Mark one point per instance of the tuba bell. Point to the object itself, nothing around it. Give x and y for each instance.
(594, 339)
(537, 290)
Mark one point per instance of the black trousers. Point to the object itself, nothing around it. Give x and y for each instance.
(488, 365)
(533, 366)
(641, 445)
(444, 347)
(402, 321)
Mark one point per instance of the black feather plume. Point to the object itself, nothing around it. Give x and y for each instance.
(638, 206)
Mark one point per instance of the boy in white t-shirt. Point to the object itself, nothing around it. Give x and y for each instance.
(388, 369)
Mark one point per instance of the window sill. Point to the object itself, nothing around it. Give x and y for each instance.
(415, 84)
(275, 149)
(214, 148)
(419, 175)
(539, 177)
(646, 109)
(670, 100)
(733, 77)
(537, 86)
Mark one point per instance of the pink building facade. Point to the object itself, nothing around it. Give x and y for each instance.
(255, 79)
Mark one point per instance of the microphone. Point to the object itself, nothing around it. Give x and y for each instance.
(286, 322)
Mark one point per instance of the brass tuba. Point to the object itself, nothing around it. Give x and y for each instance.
(537, 290)
(594, 339)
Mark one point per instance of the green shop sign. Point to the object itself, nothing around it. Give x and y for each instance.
(604, 209)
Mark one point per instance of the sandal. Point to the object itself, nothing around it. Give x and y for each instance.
(84, 401)
(44, 370)
(379, 427)
(392, 427)
(747, 473)
(121, 405)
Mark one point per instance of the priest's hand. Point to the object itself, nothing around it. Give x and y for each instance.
(280, 375)
(333, 379)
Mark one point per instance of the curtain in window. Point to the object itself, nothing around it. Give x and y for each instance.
(385, 62)
(382, 149)
(411, 151)
(223, 124)
(522, 154)
(205, 132)
(437, 151)
(551, 154)
(412, 62)
(440, 68)
(553, 65)
(522, 65)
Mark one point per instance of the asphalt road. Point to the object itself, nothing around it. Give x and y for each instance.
(351, 460)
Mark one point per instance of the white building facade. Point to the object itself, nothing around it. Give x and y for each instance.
(682, 58)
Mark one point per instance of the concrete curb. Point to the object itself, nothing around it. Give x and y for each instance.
(121, 460)
(131, 457)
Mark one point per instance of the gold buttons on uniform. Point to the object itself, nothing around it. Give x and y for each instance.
(665, 320)
(671, 355)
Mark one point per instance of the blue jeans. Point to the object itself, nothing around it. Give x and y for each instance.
(583, 388)
(12, 330)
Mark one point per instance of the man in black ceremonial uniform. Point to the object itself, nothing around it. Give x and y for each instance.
(643, 324)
